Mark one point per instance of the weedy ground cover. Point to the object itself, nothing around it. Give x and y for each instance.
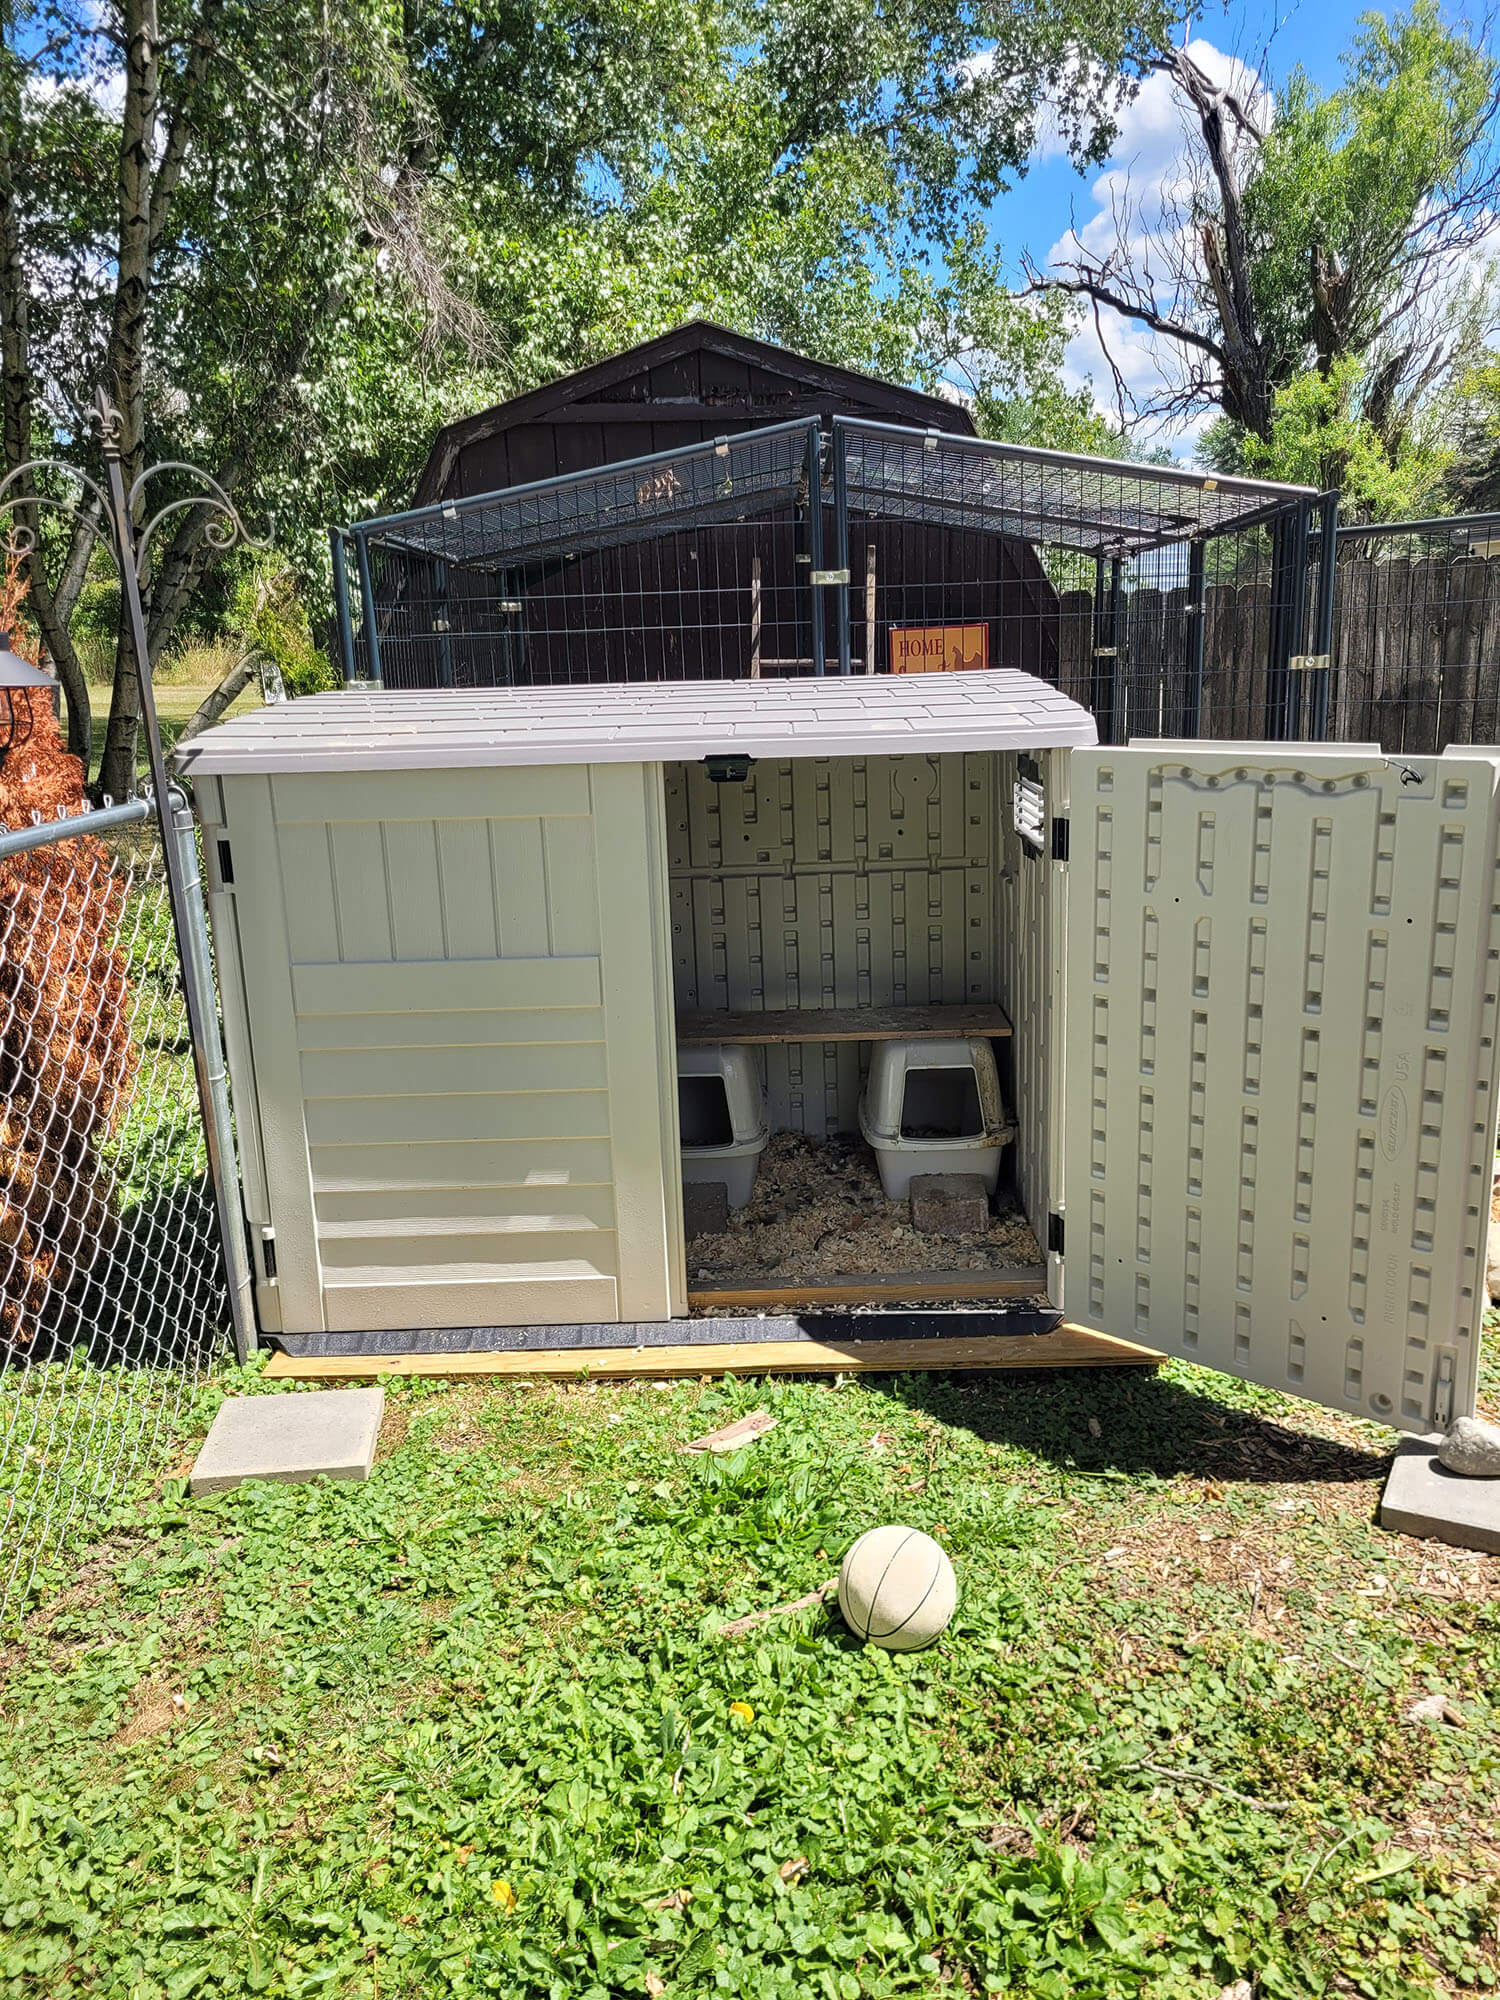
(469, 1728)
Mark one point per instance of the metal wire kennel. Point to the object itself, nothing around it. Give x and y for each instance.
(1171, 602)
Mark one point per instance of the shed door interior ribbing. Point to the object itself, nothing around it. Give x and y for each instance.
(1282, 974)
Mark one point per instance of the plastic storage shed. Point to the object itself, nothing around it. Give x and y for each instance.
(1253, 988)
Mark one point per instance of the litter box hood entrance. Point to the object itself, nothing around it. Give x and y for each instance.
(1280, 1114)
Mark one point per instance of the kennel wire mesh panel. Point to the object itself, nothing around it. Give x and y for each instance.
(687, 565)
(1416, 642)
(113, 1302)
(1170, 602)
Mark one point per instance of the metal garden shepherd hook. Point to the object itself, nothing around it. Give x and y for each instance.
(130, 553)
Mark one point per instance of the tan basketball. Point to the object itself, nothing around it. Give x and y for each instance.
(897, 1589)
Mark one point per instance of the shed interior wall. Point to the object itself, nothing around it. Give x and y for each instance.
(848, 882)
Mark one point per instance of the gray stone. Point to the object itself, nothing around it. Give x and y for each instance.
(705, 1208)
(1422, 1497)
(328, 1433)
(950, 1204)
(1472, 1447)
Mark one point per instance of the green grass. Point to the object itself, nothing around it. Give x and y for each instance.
(469, 1728)
(180, 686)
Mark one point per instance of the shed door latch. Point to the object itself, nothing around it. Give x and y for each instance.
(268, 1253)
(1060, 838)
(1442, 1393)
(226, 863)
(1055, 1234)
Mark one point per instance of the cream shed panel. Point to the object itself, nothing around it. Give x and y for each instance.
(453, 986)
(1283, 966)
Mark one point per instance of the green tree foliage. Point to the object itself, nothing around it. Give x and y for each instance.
(1322, 436)
(1323, 281)
(290, 237)
(1474, 478)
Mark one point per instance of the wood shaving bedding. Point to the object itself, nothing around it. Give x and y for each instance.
(819, 1211)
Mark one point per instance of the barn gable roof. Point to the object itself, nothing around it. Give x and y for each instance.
(659, 382)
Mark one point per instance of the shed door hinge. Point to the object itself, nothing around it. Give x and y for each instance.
(268, 1253)
(226, 863)
(1055, 1233)
(1060, 839)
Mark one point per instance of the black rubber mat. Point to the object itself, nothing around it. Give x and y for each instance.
(832, 1328)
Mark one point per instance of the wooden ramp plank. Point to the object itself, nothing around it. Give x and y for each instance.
(1067, 1346)
(875, 1288)
(841, 1024)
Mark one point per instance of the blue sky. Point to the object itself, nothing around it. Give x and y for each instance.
(1035, 217)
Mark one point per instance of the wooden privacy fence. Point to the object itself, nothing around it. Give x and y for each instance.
(1415, 663)
(1416, 642)
(1137, 672)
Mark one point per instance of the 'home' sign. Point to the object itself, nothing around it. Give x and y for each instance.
(938, 649)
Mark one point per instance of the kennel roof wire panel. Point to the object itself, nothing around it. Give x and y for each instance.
(1100, 506)
(651, 722)
(727, 479)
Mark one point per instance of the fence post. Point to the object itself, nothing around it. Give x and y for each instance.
(198, 977)
(815, 546)
(367, 609)
(841, 545)
(1322, 676)
(341, 603)
(186, 904)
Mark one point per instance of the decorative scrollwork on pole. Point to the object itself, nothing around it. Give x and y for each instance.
(224, 529)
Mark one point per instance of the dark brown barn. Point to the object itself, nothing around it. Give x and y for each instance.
(725, 597)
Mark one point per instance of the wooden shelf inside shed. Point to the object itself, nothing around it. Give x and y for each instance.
(842, 1024)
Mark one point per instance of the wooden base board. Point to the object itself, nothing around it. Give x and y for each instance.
(1066, 1346)
(906, 1288)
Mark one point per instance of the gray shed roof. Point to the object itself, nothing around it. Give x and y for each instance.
(654, 722)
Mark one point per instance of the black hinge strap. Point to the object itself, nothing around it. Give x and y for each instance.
(1055, 1232)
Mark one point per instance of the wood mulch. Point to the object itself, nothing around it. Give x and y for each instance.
(819, 1211)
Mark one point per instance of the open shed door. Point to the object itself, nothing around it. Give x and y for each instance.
(1280, 1064)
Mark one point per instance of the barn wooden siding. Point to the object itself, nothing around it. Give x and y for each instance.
(696, 383)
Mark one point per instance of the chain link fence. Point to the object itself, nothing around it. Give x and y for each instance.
(113, 1302)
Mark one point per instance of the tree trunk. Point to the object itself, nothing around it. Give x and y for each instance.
(228, 691)
(125, 355)
(15, 396)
